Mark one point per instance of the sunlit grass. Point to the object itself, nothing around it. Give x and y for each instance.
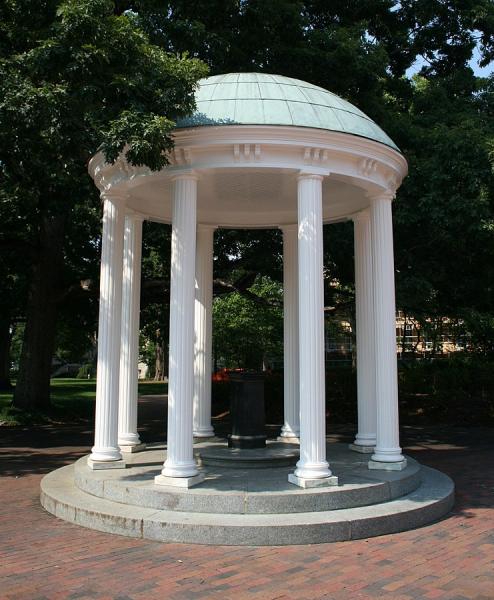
(71, 399)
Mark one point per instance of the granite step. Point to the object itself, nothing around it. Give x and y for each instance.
(432, 500)
(236, 490)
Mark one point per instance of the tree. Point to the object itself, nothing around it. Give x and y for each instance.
(444, 214)
(247, 331)
(155, 298)
(442, 120)
(77, 79)
(89, 76)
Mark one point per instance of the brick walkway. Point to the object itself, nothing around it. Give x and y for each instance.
(43, 558)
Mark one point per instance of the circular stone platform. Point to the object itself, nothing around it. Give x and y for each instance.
(275, 454)
(240, 505)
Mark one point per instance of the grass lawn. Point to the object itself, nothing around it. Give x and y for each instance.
(72, 399)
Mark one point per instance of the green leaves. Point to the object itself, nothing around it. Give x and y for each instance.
(444, 211)
(94, 78)
(246, 331)
(145, 138)
(73, 78)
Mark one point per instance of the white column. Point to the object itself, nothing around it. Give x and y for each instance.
(180, 467)
(312, 465)
(365, 439)
(105, 447)
(203, 332)
(387, 449)
(291, 426)
(128, 438)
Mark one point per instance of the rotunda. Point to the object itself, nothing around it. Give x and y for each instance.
(260, 151)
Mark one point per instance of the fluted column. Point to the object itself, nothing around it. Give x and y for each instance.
(203, 332)
(291, 426)
(365, 439)
(105, 449)
(128, 438)
(180, 467)
(387, 449)
(312, 465)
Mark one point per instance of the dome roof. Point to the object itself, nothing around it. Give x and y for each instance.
(263, 99)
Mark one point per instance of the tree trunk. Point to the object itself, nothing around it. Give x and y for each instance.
(33, 384)
(160, 358)
(5, 339)
(159, 372)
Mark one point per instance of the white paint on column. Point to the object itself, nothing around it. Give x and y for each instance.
(387, 433)
(203, 331)
(312, 463)
(129, 357)
(110, 310)
(180, 461)
(366, 394)
(291, 426)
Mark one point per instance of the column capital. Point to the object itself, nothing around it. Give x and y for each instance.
(187, 174)
(303, 175)
(206, 227)
(114, 196)
(134, 215)
(387, 194)
(361, 216)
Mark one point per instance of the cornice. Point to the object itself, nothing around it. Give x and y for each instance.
(373, 166)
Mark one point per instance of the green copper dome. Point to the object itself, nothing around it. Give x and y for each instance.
(262, 99)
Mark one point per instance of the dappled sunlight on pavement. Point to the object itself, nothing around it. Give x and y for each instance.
(45, 558)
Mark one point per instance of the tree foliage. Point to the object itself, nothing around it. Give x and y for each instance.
(78, 79)
(80, 75)
(444, 213)
(247, 333)
(441, 119)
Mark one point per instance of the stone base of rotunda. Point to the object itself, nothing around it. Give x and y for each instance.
(307, 483)
(102, 465)
(239, 504)
(361, 449)
(387, 466)
(128, 448)
(180, 482)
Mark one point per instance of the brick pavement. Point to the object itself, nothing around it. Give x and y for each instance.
(43, 558)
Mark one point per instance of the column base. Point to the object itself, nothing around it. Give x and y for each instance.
(105, 454)
(305, 483)
(99, 465)
(204, 433)
(179, 469)
(361, 449)
(182, 482)
(132, 448)
(288, 439)
(387, 466)
(289, 432)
